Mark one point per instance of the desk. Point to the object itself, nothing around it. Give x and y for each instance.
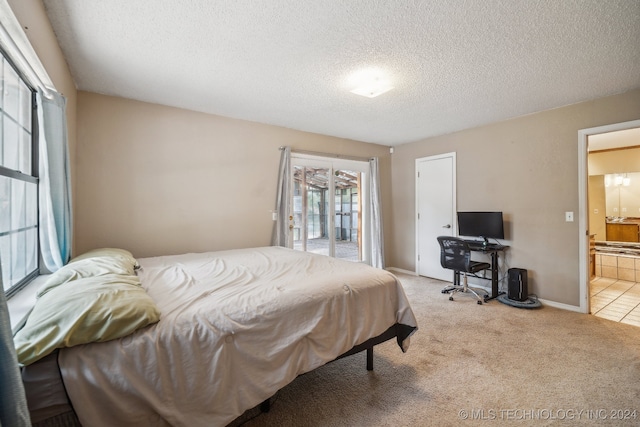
(493, 250)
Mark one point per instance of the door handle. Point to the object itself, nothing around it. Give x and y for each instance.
(446, 226)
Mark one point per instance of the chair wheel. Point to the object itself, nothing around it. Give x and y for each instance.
(450, 298)
(479, 302)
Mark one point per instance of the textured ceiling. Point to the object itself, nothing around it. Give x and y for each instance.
(455, 64)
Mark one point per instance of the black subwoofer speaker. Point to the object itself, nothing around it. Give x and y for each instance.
(517, 286)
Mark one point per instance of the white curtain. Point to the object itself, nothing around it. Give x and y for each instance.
(13, 403)
(55, 182)
(16, 46)
(283, 200)
(377, 241)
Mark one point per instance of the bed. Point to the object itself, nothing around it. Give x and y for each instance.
(234, 327)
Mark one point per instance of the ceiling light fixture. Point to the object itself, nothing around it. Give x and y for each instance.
(370, 83)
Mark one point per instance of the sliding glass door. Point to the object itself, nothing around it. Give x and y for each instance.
(328, 207)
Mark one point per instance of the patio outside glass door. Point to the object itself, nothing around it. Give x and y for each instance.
(328, 213)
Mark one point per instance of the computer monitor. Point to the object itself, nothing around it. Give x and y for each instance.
(486, 225)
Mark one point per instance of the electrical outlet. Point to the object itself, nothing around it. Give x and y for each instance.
(568, 216)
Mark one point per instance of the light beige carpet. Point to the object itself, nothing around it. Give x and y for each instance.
(472, 364)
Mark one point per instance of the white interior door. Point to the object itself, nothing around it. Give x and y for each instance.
(435, 211)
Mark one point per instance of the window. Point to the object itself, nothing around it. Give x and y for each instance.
(18, 181)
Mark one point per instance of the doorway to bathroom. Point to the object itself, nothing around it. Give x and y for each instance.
(610, 218)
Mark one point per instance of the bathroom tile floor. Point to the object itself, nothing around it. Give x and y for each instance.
(617, 300)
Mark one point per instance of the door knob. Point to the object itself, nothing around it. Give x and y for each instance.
(446, 226)
(291, 227)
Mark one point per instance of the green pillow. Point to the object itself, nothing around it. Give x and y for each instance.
(84, 310)
(122, 255)
(97, 262)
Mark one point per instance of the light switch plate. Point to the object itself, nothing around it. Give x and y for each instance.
(568, 216)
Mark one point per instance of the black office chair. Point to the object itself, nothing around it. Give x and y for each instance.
(455, 255)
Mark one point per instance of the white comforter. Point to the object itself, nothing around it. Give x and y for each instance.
(236, 326)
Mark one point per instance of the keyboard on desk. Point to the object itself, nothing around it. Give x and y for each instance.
(478, 245)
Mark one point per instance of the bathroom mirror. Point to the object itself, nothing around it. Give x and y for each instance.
(614, 208)
(622, 195)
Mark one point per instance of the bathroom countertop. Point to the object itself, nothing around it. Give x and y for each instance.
(627, 220)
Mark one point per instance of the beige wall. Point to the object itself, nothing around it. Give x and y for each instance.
(159, 180)
(526, 167)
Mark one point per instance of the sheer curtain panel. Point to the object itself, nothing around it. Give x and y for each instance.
(55, 181)
(377, 238)
(283, 200)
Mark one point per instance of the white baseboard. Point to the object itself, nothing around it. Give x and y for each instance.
(561, 305)
(400, 270)
(488, 289)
